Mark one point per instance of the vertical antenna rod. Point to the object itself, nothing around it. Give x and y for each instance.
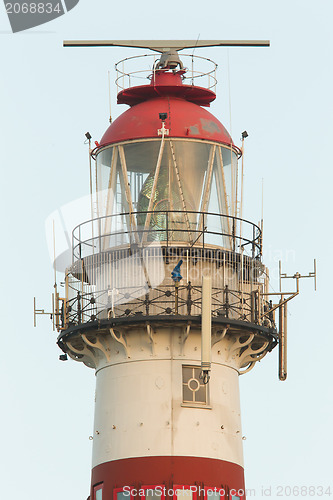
(244, 135)
(110, 118)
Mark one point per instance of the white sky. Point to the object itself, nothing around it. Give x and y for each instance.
(282, 96)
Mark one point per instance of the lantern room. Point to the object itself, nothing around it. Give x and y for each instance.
(171, 178)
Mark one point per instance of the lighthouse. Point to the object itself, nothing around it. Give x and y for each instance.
(167, 297)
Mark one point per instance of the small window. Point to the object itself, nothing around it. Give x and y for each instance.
(98, 492)
(236, 494)
(213, 493)
(194, 390)
(155, 492)
(123, 493)
(184, 493)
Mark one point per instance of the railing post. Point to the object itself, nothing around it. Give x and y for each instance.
(255, 306)
(203, 231)
(226, 301)
(99, 234)
(189, 299)
(79, 310)
(234, 234)
(167, 240)
(176, 296)
(80, 256)
(147, 301)
(73, 248)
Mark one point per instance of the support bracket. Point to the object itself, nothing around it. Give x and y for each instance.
(121, 340)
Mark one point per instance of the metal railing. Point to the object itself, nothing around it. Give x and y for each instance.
(130, 72)
(161, 301)
(133, 281)
(122, 269)
(166, 227)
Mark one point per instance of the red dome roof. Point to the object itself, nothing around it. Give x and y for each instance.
(185, 119)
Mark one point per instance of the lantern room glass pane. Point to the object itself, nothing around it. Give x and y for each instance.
(187, 178)
(230, 162)
(191, 162)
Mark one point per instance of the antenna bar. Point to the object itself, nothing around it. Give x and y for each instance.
(166, 45)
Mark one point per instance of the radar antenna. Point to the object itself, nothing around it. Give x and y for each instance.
(166, 45)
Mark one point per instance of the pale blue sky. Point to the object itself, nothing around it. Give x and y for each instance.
(282, 96)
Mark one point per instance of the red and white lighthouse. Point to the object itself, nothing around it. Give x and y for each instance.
(166, 296)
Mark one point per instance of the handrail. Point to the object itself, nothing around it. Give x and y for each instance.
(126, 75)
(251, 233)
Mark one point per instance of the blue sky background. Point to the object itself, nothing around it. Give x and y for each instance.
(49, 97)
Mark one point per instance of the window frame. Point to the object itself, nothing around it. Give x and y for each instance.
(236, 497)
(218, 489)
(195, 404)
(119, 490)
(97, 487)
(183, 487)
(152, 487)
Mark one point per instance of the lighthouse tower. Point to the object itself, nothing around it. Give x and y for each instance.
(166, 296)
